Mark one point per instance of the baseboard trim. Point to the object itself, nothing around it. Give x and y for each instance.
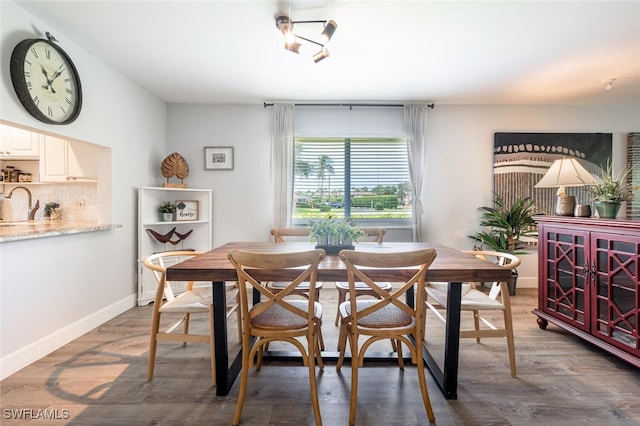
(21, 358)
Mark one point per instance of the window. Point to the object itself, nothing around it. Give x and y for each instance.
(365, 180)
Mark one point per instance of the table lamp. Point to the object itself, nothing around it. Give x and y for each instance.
(562, 173)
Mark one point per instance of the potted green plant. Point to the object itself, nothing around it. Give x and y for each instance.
(167, 210)
(321, 230)
(509, 226)
(610, 192)
(349, 233)
(50, 210)
(329, 232)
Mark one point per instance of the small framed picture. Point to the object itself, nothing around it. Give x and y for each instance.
(186, 210)
(218, 158)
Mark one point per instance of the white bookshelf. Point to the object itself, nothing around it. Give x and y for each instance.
(200, 239)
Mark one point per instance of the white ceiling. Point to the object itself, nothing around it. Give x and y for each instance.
(448, 52)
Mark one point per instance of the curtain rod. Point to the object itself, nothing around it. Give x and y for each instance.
(431, 105)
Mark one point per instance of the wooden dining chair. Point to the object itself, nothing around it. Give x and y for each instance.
(387, 317)
(192, 300)
(278, 317)
(280, 235)
(475, 301)
(361, 288)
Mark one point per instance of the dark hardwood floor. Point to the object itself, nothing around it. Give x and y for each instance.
(100, 379)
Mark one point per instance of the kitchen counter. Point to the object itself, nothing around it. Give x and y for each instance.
(27, 230)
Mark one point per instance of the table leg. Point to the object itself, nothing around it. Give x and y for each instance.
(447, 378)
(225, 374)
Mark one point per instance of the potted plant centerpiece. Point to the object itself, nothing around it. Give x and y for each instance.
(167, 210)
(610, 192)
(333, 235)
(509, 227)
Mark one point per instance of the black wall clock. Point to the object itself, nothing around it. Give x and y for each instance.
(46, 81)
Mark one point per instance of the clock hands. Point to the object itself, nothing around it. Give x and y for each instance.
(50, 81)
(46, 75)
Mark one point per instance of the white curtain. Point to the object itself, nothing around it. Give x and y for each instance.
(415, 123)
(282, 162)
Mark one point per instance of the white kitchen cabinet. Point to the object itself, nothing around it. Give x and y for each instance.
(149, 219)
(82, 160)
(18, 143)
(53, 159)
(63, 160)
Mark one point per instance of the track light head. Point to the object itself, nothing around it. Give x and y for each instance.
(328, 31)
(292, 47)
(283, 23)
(324, 53)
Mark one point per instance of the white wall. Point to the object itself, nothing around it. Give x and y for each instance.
(458, 172)
(242, 201)
(53, 290)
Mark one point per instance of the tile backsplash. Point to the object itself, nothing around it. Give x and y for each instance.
(78, 200)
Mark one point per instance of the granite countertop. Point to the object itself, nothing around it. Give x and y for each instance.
(26, 230)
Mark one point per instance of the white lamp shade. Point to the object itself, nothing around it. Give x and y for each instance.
(566, 172)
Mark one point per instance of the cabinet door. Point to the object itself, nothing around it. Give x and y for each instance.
(616, 304)
(15, 142)
(82, 160)
(564, 289)
(53, 160)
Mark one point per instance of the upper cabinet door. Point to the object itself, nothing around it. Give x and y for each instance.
(82, 160)
(18, 143)
(53, 159)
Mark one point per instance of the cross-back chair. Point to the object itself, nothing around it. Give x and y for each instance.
(475, 300)
(386, 317)
(377, 235)
(280, 235)
(194, 300)
(277, 317)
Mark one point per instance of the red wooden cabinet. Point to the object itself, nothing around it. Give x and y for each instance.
(588, 281)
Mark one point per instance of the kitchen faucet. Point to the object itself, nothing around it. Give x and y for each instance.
(32, 210)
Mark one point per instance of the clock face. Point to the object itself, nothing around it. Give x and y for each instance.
(46, 81)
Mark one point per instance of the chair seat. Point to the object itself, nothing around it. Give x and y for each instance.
(471, 301)
(277, 317)
(191, 301)
(343, 285)
(388, 316)
(465, 288)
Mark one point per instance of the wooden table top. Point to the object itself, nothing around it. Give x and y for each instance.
(450, 265)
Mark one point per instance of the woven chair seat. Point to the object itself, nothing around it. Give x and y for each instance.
(387, 317)
(279, 318)
(472, 300)
(195, 300)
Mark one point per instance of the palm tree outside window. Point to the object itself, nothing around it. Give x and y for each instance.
(365, 180)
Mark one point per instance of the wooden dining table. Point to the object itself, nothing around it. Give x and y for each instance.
(451, 266)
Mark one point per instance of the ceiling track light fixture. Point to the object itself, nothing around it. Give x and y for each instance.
(292, 40)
